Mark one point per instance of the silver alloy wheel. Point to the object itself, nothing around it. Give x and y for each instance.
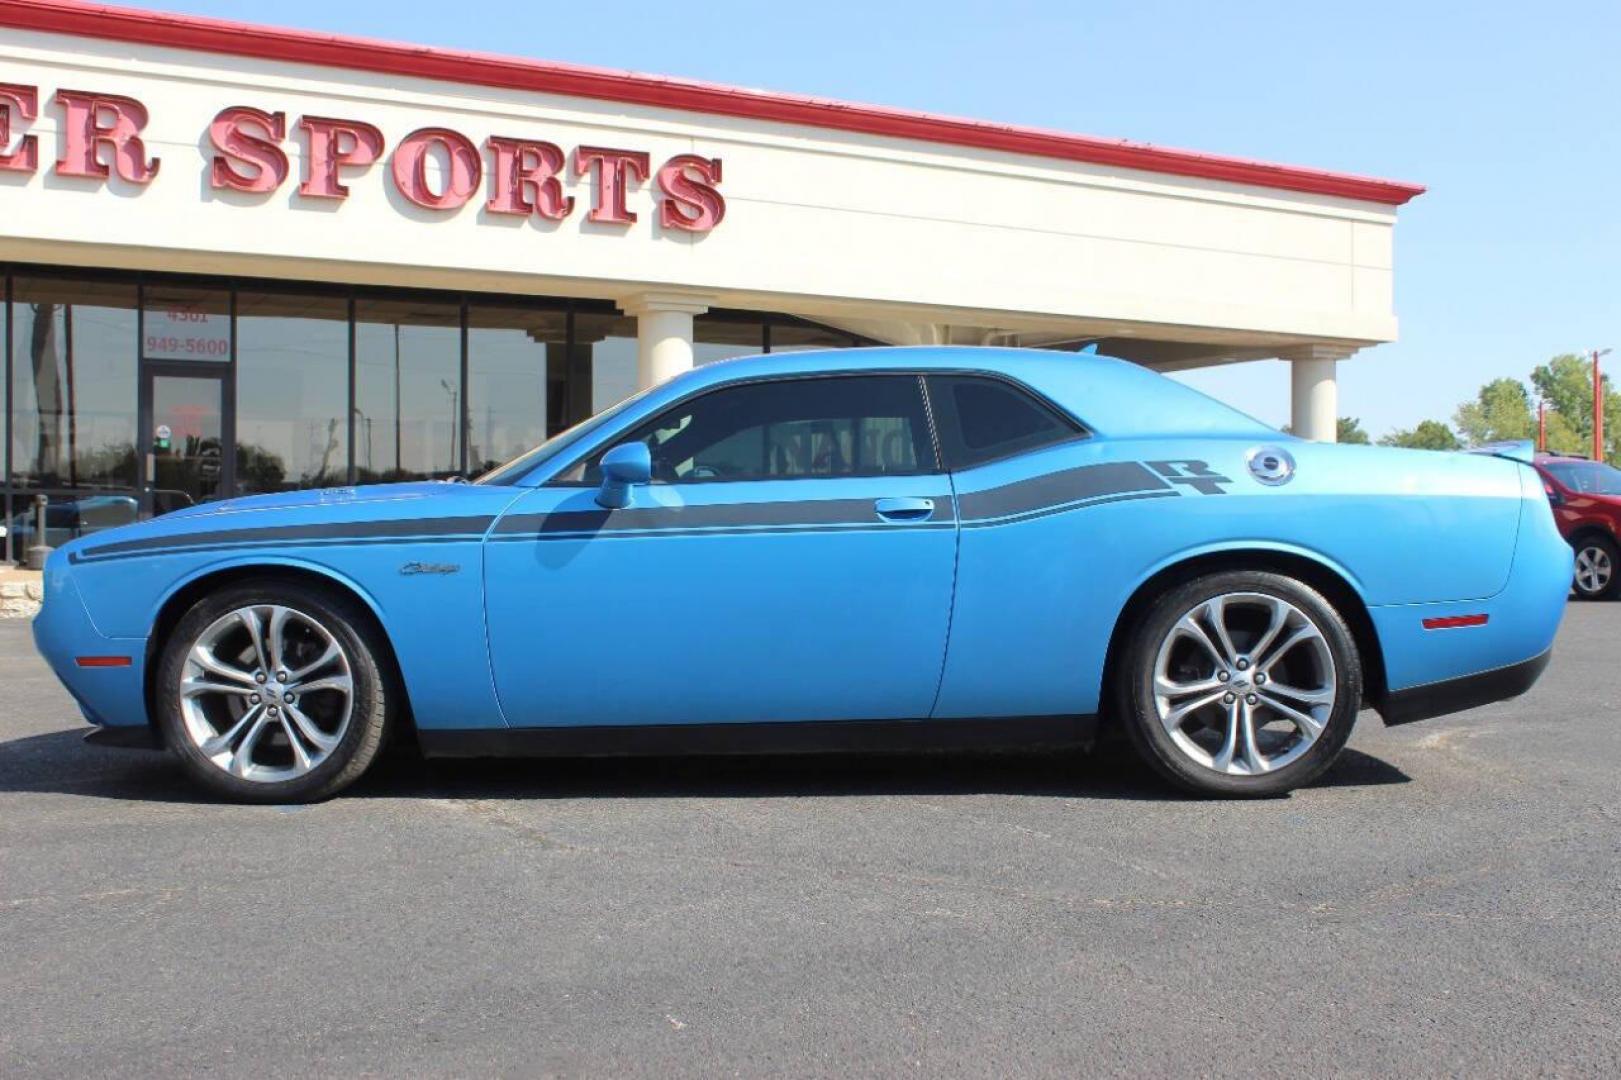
(1593, 570)
(266, 693)
(1244, 683)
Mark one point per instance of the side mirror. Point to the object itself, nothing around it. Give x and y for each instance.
(624, 465)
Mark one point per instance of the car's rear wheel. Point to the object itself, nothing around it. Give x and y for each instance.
(1596, 565)
(1240, 683)
(273, 691)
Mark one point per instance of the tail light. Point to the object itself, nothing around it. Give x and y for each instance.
(1554, 498)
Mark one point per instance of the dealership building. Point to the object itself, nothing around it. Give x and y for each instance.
(243, 259)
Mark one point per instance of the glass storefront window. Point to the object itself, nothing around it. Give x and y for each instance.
(408, 403)
(511, 355)
(610, 341)
(802, 337)
(718, 336)
(72, 384)
(292, 391)
(90, 350)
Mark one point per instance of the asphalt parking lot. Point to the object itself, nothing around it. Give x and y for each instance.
(1447, 901)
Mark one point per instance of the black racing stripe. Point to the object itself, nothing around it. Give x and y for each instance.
(806, 514)
(275, 534)
(1064, 508)
(1059, 489)
(203, 549)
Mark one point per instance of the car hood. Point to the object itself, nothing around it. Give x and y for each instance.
(320, 497)
(439, 508)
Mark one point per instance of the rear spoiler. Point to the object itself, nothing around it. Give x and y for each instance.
(1522, 450)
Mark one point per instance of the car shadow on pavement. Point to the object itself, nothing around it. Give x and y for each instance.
(61, 762)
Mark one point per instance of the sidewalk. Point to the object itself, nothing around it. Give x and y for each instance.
(20, 593)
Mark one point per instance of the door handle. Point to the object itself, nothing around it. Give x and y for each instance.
(904, 509)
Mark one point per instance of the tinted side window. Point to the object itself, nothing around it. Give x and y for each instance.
(983, 419)
(867, 425)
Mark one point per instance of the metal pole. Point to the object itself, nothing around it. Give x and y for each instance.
(40, 549)
(6, 553)
(396, 401)
(1598, 407)
(459, 422)
(1542, 426)
(354, 408)
(73, 403)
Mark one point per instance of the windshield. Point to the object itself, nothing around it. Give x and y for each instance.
(1587, 477)
(523, 463)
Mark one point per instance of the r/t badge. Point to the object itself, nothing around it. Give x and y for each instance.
(1197, 475)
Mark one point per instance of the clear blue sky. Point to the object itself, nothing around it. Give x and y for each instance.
(1508, 113)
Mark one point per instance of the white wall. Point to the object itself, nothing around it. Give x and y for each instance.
(819, 223)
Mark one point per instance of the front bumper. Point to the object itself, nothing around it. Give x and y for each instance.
(1464, 692)
(109, 696)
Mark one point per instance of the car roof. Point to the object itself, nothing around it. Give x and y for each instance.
(1111, 396)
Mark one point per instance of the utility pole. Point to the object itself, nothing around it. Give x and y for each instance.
(1598, 406)
(396, 475)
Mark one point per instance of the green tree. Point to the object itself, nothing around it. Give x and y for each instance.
(1429, 435)
(258, 469)
(1563, 438)
(1566, 384)
(1502, 410)
(1348, 429)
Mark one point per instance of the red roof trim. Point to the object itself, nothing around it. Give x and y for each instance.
(484, 69)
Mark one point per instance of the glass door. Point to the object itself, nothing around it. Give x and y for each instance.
(186, 423)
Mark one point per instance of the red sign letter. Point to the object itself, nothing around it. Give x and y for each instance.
(524, 179)
(24, 99)
(615, 170)
(251, 138)
(690, 199)
(91, 121)
(411, 168)
(331, 145)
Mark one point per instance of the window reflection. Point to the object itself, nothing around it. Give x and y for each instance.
(721, 336)
(535, 367)
(292, 390)
(609, 342)
(801, 337)
(407, 389)
(73, 384)
(511, 355)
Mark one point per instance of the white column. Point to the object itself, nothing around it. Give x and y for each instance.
(663, 333)
(1315, 392)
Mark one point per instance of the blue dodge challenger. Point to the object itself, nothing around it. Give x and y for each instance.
(873, 549)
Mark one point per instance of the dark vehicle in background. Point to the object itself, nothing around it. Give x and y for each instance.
(66, 519)
(1586, 500)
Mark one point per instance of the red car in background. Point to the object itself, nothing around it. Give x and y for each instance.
(1586, 500)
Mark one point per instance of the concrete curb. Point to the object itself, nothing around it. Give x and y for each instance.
(21, 594)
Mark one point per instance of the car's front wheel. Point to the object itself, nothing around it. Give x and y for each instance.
(272, 691)
(1240, 683)
(1596, 560)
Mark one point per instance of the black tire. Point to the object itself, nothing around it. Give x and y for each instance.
(1136, 704)
(371, 703)
(1598, 546)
